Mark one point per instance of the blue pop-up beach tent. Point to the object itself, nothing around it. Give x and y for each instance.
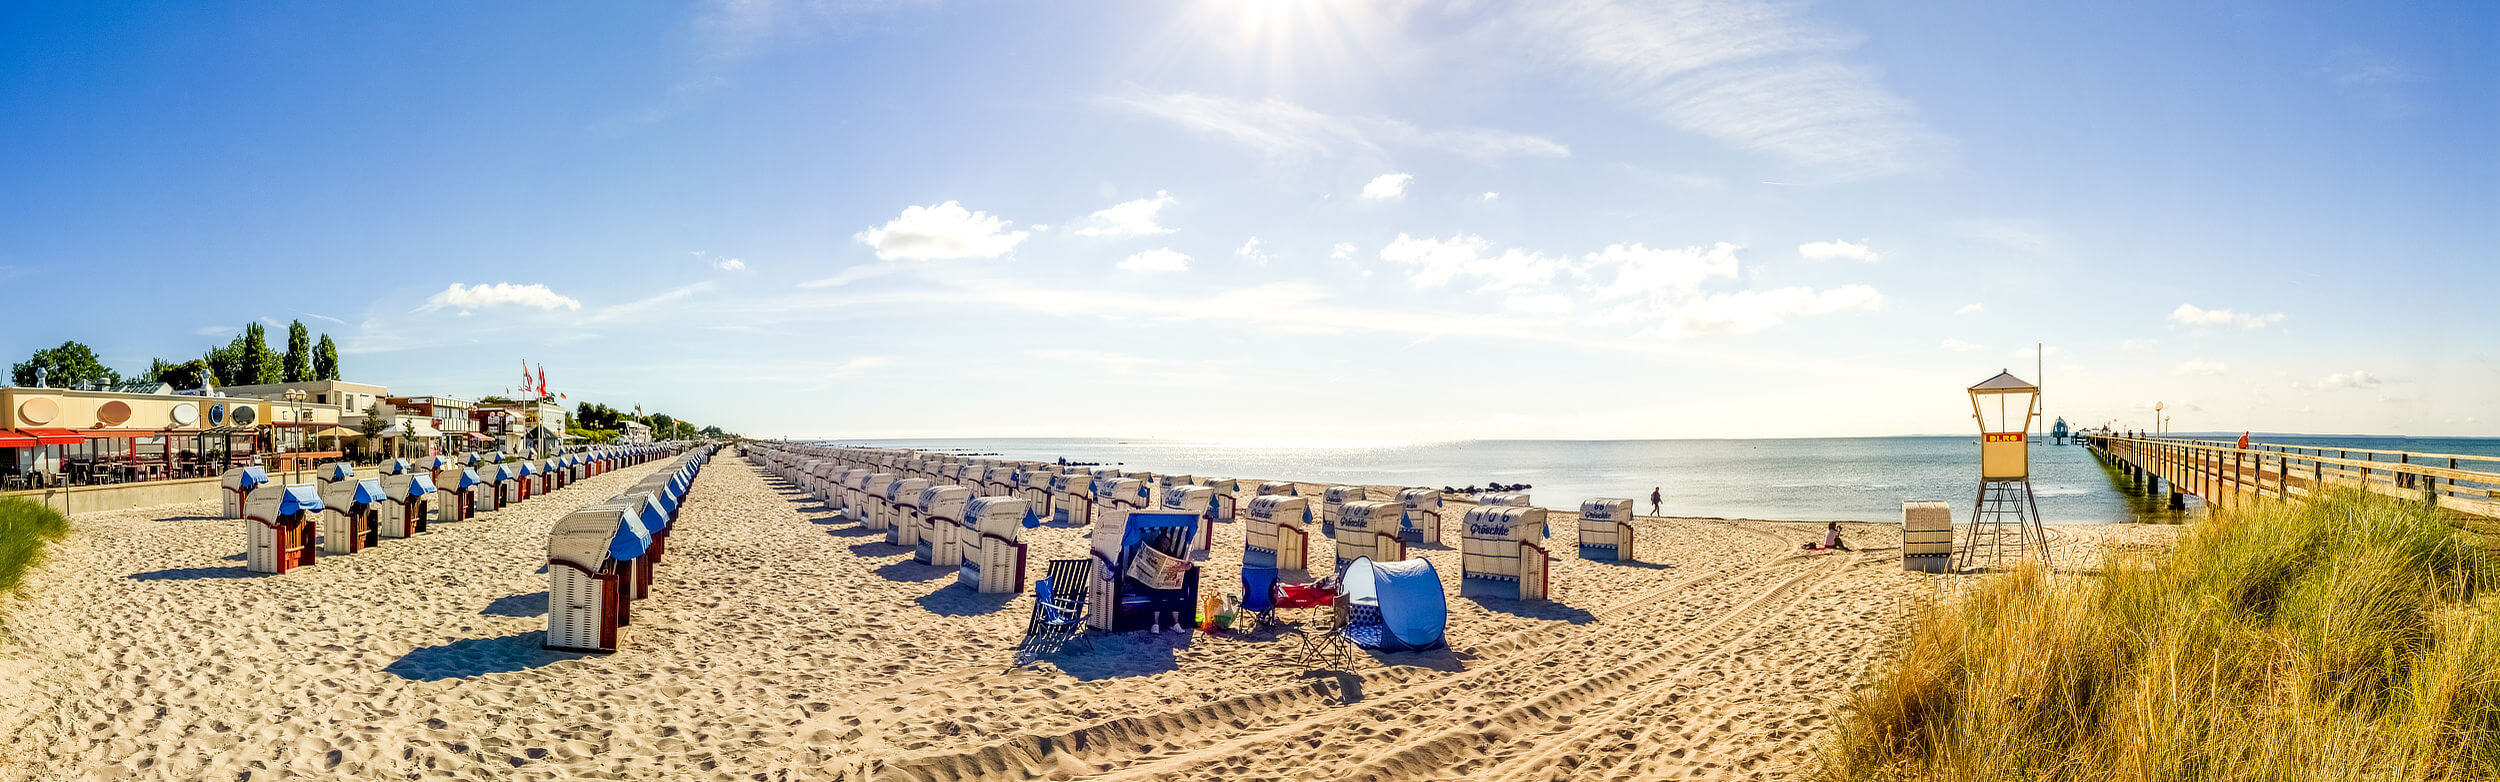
(1404, 596)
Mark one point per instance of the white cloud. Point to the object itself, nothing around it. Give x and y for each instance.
(1747, 73)
(2344, 380)
(1659, 275)
(2134, 345)
(501, 294)
(856, 366)
(1490, 196)
(2192, 315)
(1959, 346)
(946, 230)
(1740, 312)
(217, 331)
(2200, 367)
(1387, 186)
(1128, 218)
(1161, 259)
(729, 264)
(1837, 250)
(1972, 308)
(1343, 251)
(1285, 130)
(1538, 304)
(1431, 262)
(1250, 251)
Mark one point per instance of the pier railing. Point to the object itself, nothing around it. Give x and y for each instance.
(2223, 473)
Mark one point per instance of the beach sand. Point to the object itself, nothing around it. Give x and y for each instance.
(782, 644)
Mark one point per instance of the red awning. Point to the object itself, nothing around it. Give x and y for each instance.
(475, 437)
(56, 436)
(10, 438)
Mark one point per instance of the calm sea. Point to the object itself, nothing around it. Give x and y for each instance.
(1817, 479)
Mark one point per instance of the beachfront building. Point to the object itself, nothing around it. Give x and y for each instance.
(635, 433)
(540, 424)
(455, 429)
(336, 432)
(133, 432)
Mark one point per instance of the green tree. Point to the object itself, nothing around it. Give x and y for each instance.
(296, 367)
(71, 364)
(374, 422)
(191, 374)
(255, 363)
(661, 424)
(326, 359)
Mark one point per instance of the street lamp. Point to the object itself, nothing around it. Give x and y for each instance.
(295, 398)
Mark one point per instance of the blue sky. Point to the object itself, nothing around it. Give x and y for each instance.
(1584, 218)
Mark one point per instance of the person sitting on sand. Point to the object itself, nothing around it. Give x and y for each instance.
(1831, 538)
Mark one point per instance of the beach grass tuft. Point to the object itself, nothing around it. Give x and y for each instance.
(2354, 637)
(25, 528)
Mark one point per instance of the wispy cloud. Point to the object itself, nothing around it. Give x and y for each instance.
(1972, 308)
(1252, 252)
(466, 298)
(1748, 73)
(855, 273)
(1128, 218)
(1160, 259)
(217, 331)
(2192, 315)
(943, 231)
(1654, 291)
(2194, 367)
(1837, 250)
(2356, 379)
(2372, 78)
(1387, 186)
(1281, 129)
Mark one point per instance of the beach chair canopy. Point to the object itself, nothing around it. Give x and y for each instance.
(1278, 488)
(368, 491)
(999, 516)
(289, 500)
(407, 486)
(594, 536)
(458, 479)
(646, 506)
(525, 469)
(335, 471)
(1413, 612)
(245, 477)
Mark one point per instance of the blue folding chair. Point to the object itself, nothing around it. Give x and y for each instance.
(1258, 595)
(1058, 609)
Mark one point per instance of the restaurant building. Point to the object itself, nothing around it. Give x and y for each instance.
(133, 432)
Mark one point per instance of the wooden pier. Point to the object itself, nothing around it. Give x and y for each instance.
(2465, 488)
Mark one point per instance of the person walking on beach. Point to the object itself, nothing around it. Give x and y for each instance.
(1655, 499)
(2243, 440)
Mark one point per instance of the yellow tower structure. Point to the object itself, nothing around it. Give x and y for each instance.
(2006, 520)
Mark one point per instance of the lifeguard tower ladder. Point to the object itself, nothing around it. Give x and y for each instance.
(2006, 520)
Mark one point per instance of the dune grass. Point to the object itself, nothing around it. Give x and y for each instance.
(2350, 638)
(25, 527)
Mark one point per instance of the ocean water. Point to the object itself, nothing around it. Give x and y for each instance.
(1813, 479)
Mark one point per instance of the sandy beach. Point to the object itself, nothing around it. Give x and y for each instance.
(782, 644)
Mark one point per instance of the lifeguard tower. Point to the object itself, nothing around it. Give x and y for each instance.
(2006, 521)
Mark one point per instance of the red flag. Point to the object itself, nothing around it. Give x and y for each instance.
(542, 380)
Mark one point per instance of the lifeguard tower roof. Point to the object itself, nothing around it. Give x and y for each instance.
(2004, 381)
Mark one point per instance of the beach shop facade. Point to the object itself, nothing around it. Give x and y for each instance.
(136, 432)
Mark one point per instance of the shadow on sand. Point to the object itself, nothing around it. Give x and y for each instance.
(1123, 655)
(523, 606)
(952, 600)
(1533, 609)
(478, 657)
(194, 573)
(907, 570)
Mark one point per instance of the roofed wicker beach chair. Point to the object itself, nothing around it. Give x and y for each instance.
(1058, 609)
